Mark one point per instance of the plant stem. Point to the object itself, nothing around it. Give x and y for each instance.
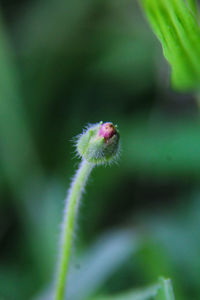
(72, 201)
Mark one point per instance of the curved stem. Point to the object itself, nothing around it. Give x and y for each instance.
(72, 201)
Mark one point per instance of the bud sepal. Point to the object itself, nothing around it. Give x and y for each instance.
(99, 143)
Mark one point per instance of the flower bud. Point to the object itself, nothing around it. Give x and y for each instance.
(99, 144)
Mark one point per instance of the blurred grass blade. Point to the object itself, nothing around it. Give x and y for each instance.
(166, 290)
(102, 259)
(100, 262)
(175, 22)
(18, 155)
(139, 294)
(19, 159)
(192, 5)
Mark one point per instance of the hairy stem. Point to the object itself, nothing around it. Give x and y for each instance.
(72, 201)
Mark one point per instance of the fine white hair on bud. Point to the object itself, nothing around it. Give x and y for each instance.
(99, 144)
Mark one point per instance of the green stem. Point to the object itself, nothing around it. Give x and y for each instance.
(72, 202)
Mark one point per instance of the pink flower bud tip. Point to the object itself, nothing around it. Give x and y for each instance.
(107, 130)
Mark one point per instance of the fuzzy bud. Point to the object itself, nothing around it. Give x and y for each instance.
(99, 144)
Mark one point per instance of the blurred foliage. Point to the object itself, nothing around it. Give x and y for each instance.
(144, 294)
(64, 64)
(176, 23)
(166, 290)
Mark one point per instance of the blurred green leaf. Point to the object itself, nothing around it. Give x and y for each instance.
(106, 256)
(147, 293)
(52, 44)
(11, 278)
(18, 154)
(166, 290)
(64, 64)
(162, 149)
(90, 270)
(177, 28)
(193, 7)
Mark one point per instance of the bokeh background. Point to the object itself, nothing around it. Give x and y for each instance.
(64, 64)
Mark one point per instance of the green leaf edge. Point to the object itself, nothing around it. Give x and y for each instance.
(172, 21)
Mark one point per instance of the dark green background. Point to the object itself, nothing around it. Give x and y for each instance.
(64, 64)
